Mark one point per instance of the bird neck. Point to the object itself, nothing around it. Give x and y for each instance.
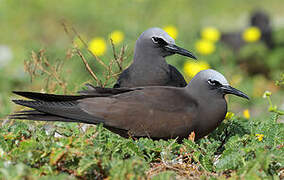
(211, 109)
(153, 69)
(205, 97)
(150, 61)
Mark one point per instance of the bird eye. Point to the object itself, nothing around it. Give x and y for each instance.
(213, 82)
(155, 40)
(159, 41)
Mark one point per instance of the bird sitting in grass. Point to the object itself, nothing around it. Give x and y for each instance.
(157, 112)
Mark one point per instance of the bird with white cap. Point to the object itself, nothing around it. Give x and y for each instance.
(149, 67)
(157, 112)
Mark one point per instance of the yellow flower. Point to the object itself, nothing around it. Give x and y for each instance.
(229, 115)
(191, 68)
(116, 36)
(172, 31)
(97, 46)
(205, 47)
(251, 34)
(246, 114)
(211, 34)
(259, 137)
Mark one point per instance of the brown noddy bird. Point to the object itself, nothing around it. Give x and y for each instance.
(149, 67)
(158, 112)
(259, 19)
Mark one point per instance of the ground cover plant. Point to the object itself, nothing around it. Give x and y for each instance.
(58, 49)
(239, 148)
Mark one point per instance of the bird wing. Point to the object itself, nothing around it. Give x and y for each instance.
(66, 111)
(50, 97)
(176, 78)
(104, 92)
(61, 107)
(157, 112)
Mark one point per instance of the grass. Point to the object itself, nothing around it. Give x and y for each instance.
(32, 150)
(45, 59)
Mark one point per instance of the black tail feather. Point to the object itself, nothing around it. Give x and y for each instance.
(39, 116)
(49, 97)
(66, 111)
(92, 91)
(104, 92)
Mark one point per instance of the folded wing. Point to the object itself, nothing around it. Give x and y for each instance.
(157, 112)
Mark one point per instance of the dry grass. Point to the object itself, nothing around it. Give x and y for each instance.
(183, 165)
(109, 68)
(39, 66)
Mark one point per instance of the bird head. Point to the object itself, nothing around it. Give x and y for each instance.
(212, 83)
(261, 20)
(157, 41)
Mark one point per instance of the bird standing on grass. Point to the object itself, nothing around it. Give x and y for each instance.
(157, 112)
(149, 67)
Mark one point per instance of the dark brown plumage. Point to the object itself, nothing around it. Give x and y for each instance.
(149, 67)
(157, 112)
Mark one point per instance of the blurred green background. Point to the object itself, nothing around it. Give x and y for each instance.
(36, 24)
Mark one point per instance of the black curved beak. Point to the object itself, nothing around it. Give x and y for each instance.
(178, 50)
(230, 90)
